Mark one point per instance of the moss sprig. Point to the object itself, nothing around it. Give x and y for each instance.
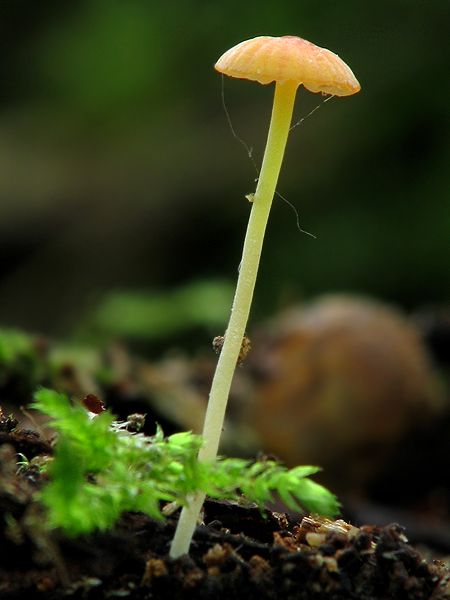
(100, 470)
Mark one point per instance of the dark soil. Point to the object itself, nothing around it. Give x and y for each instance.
(236, 552)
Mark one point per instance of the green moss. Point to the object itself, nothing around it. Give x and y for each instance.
(19, 358)
(101, 470)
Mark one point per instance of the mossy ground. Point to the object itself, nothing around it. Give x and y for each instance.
(236, 553)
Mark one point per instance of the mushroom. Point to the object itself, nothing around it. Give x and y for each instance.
(289, 61)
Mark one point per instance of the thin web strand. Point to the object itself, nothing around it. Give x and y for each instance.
(310, 113)
(250, 152)
(282, 197)
(296, 216)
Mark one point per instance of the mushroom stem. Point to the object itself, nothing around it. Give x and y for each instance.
(262, 201)
(273, 156)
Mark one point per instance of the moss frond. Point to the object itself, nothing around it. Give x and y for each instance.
(100, 471)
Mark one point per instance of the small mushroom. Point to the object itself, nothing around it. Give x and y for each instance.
(289, 61)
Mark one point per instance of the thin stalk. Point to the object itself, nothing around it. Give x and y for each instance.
(283, 105)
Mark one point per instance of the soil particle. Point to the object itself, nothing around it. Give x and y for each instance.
(25, 441)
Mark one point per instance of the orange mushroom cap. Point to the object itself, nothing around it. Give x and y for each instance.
(289, 58)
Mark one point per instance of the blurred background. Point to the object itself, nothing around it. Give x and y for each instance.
(121, 181)
(123, 210)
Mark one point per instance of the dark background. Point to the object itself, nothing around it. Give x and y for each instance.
(122, 188)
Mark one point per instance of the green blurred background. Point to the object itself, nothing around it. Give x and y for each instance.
(122, 188)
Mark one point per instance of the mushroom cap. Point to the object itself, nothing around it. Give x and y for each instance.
(289, 58)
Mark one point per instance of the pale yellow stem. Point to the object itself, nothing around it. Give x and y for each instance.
(276, 142)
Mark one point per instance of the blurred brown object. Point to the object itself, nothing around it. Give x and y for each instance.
(343, 381)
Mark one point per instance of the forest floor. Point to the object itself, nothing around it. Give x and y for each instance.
(236, 552)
